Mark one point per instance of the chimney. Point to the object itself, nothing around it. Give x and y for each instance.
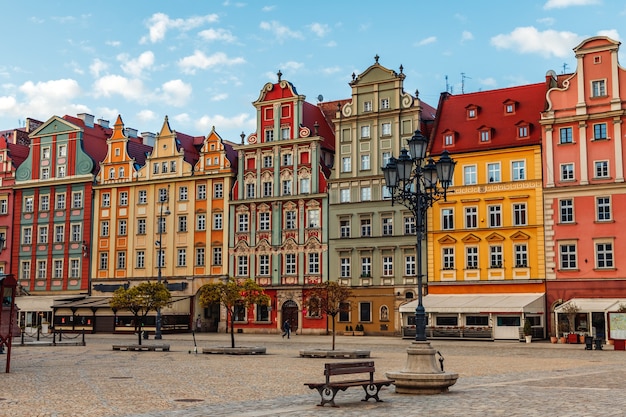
(103, 123)
(130, 132)
(149, 138)
(87, 118)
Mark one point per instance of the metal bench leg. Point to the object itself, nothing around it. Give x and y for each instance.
(328, 395)
(371, 391)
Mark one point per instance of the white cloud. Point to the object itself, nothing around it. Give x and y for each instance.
(7, 103)
(211, 35)
(219, 97)
(136, 67)
(199, 60)
(426, 41)
(280, 32)
(331, 70)
(611, 33)
(528, 40)
(176, 93)
(110, 85)
(97, 66)
(243, 121)
(146, 115)
(160, 23)
(319, 29)
(560, 4)
(291, 66)
(182, 118)
(489, 82)
(548, 21)
(113, 43)
(467, 36)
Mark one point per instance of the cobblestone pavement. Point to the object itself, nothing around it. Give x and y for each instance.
(495, 379)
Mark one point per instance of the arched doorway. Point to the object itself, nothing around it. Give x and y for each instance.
(290, 312)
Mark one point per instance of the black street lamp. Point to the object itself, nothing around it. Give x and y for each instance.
(417, 182)
(159, 243)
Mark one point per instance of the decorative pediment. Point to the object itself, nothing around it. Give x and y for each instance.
(471, 238)
(495, 237)
(520, 236)
(242, 209)
(447, 240)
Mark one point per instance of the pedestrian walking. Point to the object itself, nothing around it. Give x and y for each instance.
(286, 329)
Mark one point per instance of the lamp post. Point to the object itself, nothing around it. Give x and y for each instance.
(161, 226)
(417, 182)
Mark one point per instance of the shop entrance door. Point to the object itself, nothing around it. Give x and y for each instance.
(290, 312)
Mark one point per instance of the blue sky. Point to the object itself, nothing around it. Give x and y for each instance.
(202, 63)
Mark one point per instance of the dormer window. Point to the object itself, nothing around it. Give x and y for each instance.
(448, 139)
(509, 106)
(523, 130)
(484, 134)
(472, 111)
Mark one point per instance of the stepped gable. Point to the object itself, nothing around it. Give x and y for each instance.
(489, 106)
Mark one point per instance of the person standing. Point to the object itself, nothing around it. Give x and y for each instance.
(286, 329)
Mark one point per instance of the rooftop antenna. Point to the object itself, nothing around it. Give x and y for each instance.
(463, 77)
(564, 67)
(447, 85)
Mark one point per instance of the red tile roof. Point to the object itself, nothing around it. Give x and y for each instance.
(94, 140)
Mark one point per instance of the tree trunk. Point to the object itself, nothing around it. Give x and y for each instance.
(138, 327)
(231, 319)
(333, 318)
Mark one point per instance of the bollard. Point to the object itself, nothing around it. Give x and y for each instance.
(60, 335)
(22, 341)
(83, 337)
(54, 338)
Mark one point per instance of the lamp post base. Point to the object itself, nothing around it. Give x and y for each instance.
(422, 375)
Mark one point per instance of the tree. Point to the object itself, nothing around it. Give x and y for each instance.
(571, 310)
(232, 293)
(329, 298)
(140, 300)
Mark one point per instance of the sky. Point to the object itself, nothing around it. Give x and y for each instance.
(203, 63)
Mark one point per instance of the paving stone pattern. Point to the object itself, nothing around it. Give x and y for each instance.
(495, 379)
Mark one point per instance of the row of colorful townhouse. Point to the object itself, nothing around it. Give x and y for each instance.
(528, 228)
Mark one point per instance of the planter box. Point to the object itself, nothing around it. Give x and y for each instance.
(572, 338)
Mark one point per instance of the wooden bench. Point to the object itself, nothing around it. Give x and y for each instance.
(329, 389)
(152, 348)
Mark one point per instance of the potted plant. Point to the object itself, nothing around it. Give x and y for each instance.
(528, 330)
(348, 331)
(553, 338)
(359, 330)
(570, 311)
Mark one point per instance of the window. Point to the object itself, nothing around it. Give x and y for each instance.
(566, 135)
(111, 173)
(103, 262)
(121, 260)
(74, 268)
(409, 225)
(201, 222)
(305, 185)
(286, 187)
(267, 161)
(519, 214)
(495, 256)
(521, 255)
(104, 228)
(471, 217)
(287, 159)
(183, 193)
(140, 259)
(155, 168)
(121, 172)
(365, 131)
(366, 267)
(387, 225)
(45, 173)
(242, 266)
(77, 233)
(28, 204)
(267, 189)
(42, 234)
(269, 136)
(365, 162)
(4, 206)
(61, 171)
(484, 135)
(59, 233)
(290, 263)
(599, 131)
(181, 257)
(448, 140)
(44, 203)
(45, 153)
(62, 150)
(173, 166)
(123, 198)
(242, 222)
(566, 210)
(182, 223)
(604, 255)
(519, 171)
(344, 195)
(201, 192)
(447, 219)
(218, 222)
(106, 200)
(469, 175)
(522, 131)
(77, 200)
(598, 88)
(471, 113)
(568, 256)
(290, 220)
(384, 103)
(250, 188)
(143, 197)
(344, 267)
(164, 167)
(410, 269)
(366, 194)
(567, 172)
(367, 106)
(344, 228)
(471, 257)
(58, 268)
(314, 218)
(262, 313)
(42, 268)
(25, 270)
(218, 190)
(346, 164)
(603, 208)
(448, 258)
(217, 256)
(264, 220)
(493, 172)
(366, 227)
(200, 257)
(365, 311)
(160, 257)
(386, 129)
(495, 215)
(121, 227)
(264, 265)
(386, 158)
(387, 266)
(285, 133)
(601, 169)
